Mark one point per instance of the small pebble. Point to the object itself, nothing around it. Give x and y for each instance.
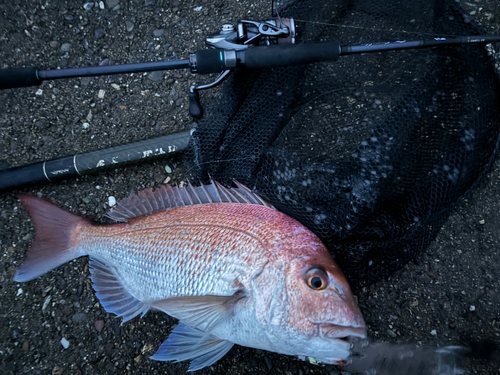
(86, 125)
(482, 221)
(112, 3)
(46, 302)
(179, 102)
(88, 6)
(129, 25)
(158, 33)
(109, 348)
(79, 317)
(168, 169)
(155, 76)
(104, 62)
(433, 332)
(39, 92)
(57, 370)
(268, 362)
(116, 327)
(101, 94)
(111, 201)
(26, 346)
(312, 360)
(149, 2)
(99, 325)
(115, 86)
(53, 44)
(16, 334)
(101, 4)
(99, 33)
(167, 180)
(197, 9)
(86, 200)
(84, 81)
(19, 292)
(472, 308)
(65, 343)
(66, 47)
(391, 333)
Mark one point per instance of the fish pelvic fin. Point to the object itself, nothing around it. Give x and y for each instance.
(202, 312)
(186, 343)
(55, 238)
(112, 295)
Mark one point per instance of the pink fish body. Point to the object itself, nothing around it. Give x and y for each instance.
(231, 268)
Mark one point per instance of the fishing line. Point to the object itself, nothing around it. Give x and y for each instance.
(373, 29)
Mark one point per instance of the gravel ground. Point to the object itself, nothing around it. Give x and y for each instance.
(448, 296)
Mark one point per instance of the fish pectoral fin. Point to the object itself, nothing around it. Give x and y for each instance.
(184, 343)
(111, 293)
(203, 312)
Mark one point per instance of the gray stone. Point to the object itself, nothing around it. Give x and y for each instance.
(54, 44)
(158, 33)
(112, 3)
(149, 2)
(179, 102)
(79, 317)
(129, 25)
(66, 47)
(391, 333)
(99, 325)
(99, 33)
(88, 6)
(176, 3)
(155, 76)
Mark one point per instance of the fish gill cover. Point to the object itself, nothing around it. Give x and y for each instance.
(373, 152)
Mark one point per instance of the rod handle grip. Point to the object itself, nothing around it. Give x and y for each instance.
(264, 57)
(19, 77)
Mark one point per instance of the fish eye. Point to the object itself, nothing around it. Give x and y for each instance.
(316, 279)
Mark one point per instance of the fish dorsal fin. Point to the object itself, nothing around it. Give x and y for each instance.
(148, 201)
(186, 343)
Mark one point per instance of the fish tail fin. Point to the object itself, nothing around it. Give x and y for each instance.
(55, 238)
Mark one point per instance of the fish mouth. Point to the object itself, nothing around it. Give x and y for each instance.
(343, 333)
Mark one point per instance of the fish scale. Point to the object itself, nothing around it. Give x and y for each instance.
(166, 249)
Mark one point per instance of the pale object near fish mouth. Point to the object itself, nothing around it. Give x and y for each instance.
(328, 331)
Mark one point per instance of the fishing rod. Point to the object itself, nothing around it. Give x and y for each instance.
(249, 45)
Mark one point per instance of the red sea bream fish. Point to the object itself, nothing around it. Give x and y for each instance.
(227, 265)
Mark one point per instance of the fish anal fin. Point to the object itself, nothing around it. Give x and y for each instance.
(202, 312)
(186, 343)
(112, 295)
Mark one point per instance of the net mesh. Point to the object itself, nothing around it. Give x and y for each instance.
(371, 152)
